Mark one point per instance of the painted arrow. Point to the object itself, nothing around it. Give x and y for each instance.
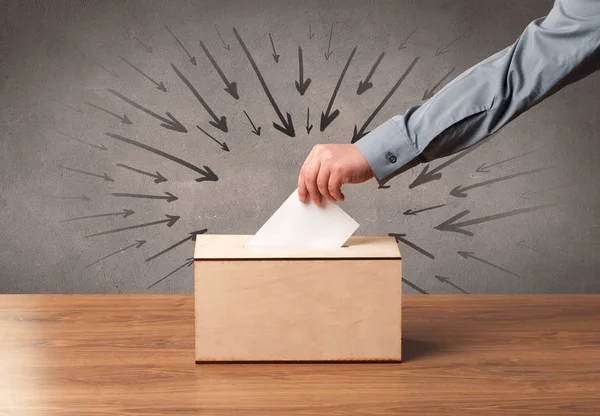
(225, 45)
(191, 58)
(207, 173)
(159, 85)
(188, 263)
(220, 123)
(137, 244)
(110, 71)
(450, 225)
(399, 238)
(130, 33)
(430, 92)
(440, 51)
(301, 84)
(255, 130)
(170, 221)
(83, 172)
(447, 281)
(158, 178)
(172, 124)
(223, 145)
(275, 56)
(80, 198)
(328, 53)
(67, 105)
(366, 84)
(411, 212)
(467, 254)
(230, 87)
(359, 134)
(124, 119)
(527, 194)
(308, 125)
(415, 287)
(460, 191)
(125, 213)
(287, 126)
(327, 117)
(169, 196)
(403, 44)
(482, 168)
(310, 34)
(191, 237)
(101, 147)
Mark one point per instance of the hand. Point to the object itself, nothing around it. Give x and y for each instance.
(327, 168)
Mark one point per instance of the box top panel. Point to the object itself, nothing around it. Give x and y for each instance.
(228, 246)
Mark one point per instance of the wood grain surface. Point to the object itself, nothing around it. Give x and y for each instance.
(463, 355)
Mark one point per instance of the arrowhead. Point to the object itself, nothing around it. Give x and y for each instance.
(125, 120)
(172, 220)
(108, 178)
(482, 169)
(224, 147)
(209, 175)
(309, 128)
(102, 147)
(288, 126)
(276, 57)
(303, 87)
(256, 131)
(162, 87)
(311, 35)
(85, 198)
(140, 243)
(113, 74)
(227, 47)
(449, 224)
(328, 54)
(358, 134)
(409, 212)
(221, 124)
(232, 90)
(428, 94)
(174, 124)
(171, 197)
(159, 178)
(148, 48)
(326, 119)
(441, 278)
(193, 60)
(195, 233)
(128, 212)
(401, 47)
(363, 86)
(526, 193)
(438, 52)
(465, 254)
(458, 192)
(425, 177)
(383, 187)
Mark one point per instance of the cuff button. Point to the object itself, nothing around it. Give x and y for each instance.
(391, 158)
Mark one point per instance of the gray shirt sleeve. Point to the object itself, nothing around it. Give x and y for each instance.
(552, 52)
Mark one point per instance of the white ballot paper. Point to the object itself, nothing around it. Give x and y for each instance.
(297, 224)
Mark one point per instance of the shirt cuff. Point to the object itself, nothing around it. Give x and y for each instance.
(387, 149)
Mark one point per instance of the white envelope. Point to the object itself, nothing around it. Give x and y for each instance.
(297, 224)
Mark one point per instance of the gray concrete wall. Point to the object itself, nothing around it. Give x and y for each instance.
(58, 56)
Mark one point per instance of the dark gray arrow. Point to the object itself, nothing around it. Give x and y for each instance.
(226, 46)
(430, 92)
(67, 105)
(440, 51)
(83, 172)
(460, 191)
(327, 117)
(231, 87)
(192, 59)
(192, 237)
(450, 225)
(170, 221)
(130, 33)
(359, 134)
(124, 119)
(447, 281)
(101, 147)
(520, 244)
(366, 84)
(427, 176)
(255, 130)
(137, 244)
(310, 34)
(301, 84)
(308, 125)
(402, 45)
(172, 124)
(415, 287)
(158, 178)
(188, 263)
(527, 194)
(220, 123)
(287, 126)
(110, 71)
(399, 238)
(125, 213)
(328, 53)
(482, 168)
(81, 198)
(467, 254)
(411, 212)
(207, 173)
(159, 85)
(169, 196)
(275, 56)
(223, 145)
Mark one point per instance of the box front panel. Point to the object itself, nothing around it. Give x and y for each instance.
(266, 310)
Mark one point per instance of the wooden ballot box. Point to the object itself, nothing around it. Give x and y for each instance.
(297, 304)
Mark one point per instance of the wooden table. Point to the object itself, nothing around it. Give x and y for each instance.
(464, 355)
